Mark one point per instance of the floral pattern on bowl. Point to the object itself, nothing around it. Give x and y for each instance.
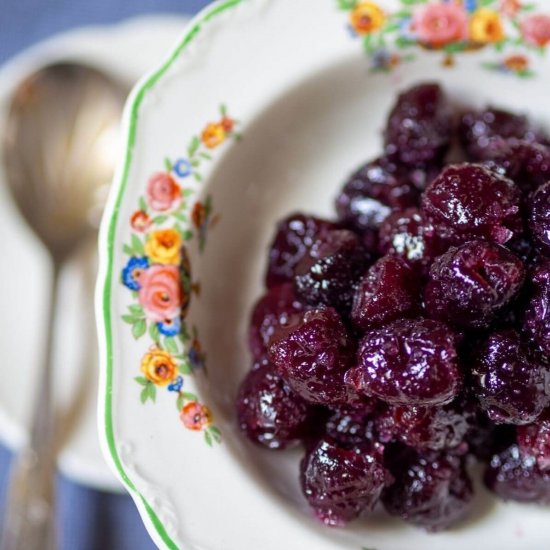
(158, 275)
(515, 30)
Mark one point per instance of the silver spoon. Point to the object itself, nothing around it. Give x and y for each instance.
(58, 152)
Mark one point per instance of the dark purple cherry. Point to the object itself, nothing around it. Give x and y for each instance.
(269, 412)
(534, 165)
(524, 162)
(419, 127)
(536, 316)
(510, 381)
(539, 218)
(435, 428)
(409, 362)
(341, 483)
(431, 490)
(487, 438)
(513, 475)
(389, 290)
(408, 235)
(371, 193)
(312, 353)
(272, 310)
(353, 426)
(294, 237)
(328, 274)
(478, 130)
(469, 285)
(470, 201)
(534, 440)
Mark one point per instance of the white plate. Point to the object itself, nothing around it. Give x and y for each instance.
(23, 288)
(309, 109)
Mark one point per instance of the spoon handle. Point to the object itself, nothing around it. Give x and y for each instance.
(30, 508)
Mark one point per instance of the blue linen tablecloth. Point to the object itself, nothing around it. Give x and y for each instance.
(88, 519)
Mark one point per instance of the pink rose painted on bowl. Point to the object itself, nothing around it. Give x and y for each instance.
(437, 25)
(536, 29)
(160, 294)
(163, 193)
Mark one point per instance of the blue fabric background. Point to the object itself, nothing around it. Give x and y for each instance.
(89, 520)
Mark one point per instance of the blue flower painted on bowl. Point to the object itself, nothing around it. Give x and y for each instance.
(183, 168)
(407, 30)
(131, 274)
(470, 5)
(170, 327)
(176, 385)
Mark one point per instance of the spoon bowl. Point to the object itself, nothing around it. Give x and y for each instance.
(59, 150)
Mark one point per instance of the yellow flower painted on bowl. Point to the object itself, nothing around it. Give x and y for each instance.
(163, 247)
(158, 367)
(213, 135)
(367, 17)
(486, 27)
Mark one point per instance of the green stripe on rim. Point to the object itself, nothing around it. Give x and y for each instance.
(138, 99)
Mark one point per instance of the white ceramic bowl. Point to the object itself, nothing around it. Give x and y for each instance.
(308, 95)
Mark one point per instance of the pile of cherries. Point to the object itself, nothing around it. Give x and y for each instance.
(412, 335)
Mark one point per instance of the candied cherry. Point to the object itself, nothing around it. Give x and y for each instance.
(408, 235)
(435, 428)
(327, 275)
(408, 362)
(510, 380)
(469, 285)
(388, 291)
(294, 237)
(340, 483)
(478, 130)
(534, 440)
(419, 127)
(487, 438)
(312, 353)
(513, 475)
(526, 163)
(536, 316)
(269, 412)
(371, 193)
(522, 246)
(469, 201)
(533, 165)
(351, 426)
(539, 218)
(431, 490)
(271, 310)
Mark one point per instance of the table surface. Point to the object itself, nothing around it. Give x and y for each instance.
(88, 519)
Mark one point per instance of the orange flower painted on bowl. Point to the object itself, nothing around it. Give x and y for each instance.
(195, 416)
(163, 247)
(213, 135)
(160, 293)
(199, 215)
(536, 29)
(516, 63)
(510, 7)
(227, 124)
(486, 27)
(163, 193)
(367, 17)
(159, 367)
(437, 25)
(140, 221)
